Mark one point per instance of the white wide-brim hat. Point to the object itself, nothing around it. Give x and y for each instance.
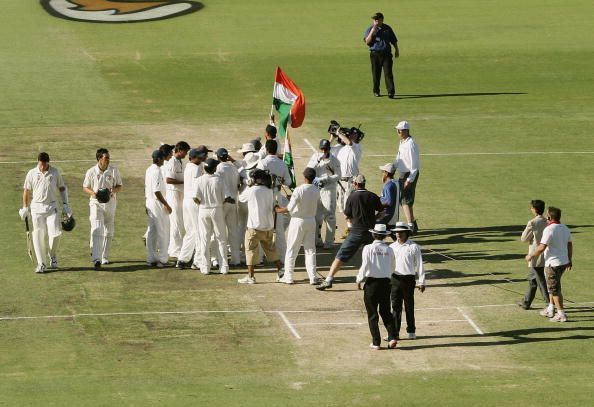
(380, 229)
(247, 148)
(250, 160)
(401, 227)
(389, 168)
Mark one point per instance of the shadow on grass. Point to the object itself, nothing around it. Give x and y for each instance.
(443, 95)
(512, 337)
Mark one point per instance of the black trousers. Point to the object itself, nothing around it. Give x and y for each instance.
(536, 280)
(376, 295)
(382, 61)
(403, 290)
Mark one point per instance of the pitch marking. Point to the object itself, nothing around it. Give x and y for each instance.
(289, 325)
(470, 321)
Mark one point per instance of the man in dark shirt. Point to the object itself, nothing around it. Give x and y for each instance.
(362, 208)
(378, 38)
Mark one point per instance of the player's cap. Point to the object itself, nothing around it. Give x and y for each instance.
(247, 148)
(203, 150)
(380, 229)
(403, 125)
(250, 160)
(324, 144)
(222, 152)
(210, 165)
(271, 130)
(158, 154)
(194, 153)
(389, 168)
(377, 16)
(401, 227)
(359, 179)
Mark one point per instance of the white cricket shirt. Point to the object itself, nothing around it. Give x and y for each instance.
(230, 176)
(209, 190)
(304, 201)
(409, 260)
(174, 168)
(45, 186)
(378, 261)
(95, 179)
(153, 182)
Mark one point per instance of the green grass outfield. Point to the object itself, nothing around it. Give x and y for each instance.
(500, 97)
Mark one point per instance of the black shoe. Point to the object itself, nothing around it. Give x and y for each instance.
(325, 284)
(180, 265)
(97, 265)
(392, 96)
(415, 227)
(522, 305)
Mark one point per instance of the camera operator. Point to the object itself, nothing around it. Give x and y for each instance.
(260, 224)
(327, 168)
(280, 176)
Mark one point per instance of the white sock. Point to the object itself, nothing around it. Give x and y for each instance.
(550, 307)
(329, 279)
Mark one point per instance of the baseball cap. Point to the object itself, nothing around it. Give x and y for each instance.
(194, 153)
(403, 125)
(203, 150)
(359, 179)
(388, 168)
(222, 152)
(400, 227)
(377, 16)
(324, 143)
(157, 154)
(210, 165)
(247, 148)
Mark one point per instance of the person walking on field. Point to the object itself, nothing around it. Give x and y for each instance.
(533, 235)
(408, 165)
(409, 263)
(302, 228)
(174, 179)
(379, 37)
(158, 210)
(42, 186)
(102, 183)
(557, 246)
(376, 267)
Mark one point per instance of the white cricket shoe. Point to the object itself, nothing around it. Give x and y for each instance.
(546, 312)
(247, 280)
(104, 261)
(40, 269)
(224, 269)
(285, 280)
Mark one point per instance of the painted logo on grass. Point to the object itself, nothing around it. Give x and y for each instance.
(119, 11)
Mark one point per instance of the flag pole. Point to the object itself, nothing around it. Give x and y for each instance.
(271, 117)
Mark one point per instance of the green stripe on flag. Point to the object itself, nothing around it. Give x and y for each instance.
(284, 112)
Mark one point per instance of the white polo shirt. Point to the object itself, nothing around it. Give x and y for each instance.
(260, 202)
(349, 164)
(276, 167)
(174, 168)
(556, 236)
(409, 260)
(230, 176)
(209, 190)
(45, 186)
(407, 159)
(191, 174)
(95, 179)
(378, 261)
(304, 201)
(153, 182)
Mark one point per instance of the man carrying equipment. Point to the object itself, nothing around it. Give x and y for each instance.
(158, 210)
(328, 173)
(102, 183)
(280, 176)
(230, 176)
(174, 179)
(191, 242)
(210, 195)
(361, 210)
(42, 186)
(408, 164)
(302, 228)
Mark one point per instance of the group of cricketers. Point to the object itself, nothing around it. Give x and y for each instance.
(210, 212)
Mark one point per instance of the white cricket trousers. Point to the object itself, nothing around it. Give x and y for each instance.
(211, 221)
(326, 215)
(280, 240)
(191, 241)
(46, 222)
(157, 236)
(302, 231)
(231, 216)
(175, 199)
(101, 216)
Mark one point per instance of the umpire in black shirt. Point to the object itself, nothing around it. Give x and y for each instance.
(378, 38)
(362, 208)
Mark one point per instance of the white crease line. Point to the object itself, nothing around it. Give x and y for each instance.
(364, 323)
(289, 325)
(479, 154)
(471, 322)
(88, 55)
(310, 145)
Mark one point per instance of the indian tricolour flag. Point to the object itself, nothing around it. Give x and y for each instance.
(289, 102)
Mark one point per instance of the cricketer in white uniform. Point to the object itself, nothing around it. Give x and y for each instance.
(281, 176)
(174, 179)
(42, 186)
(210, 194)
(102, 215)
(328, 173)
(191, 242)
(158, 210)
(302, 228)
(230, 176)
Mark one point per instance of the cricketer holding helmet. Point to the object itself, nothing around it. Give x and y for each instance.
(42, 186)
(102, 214)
